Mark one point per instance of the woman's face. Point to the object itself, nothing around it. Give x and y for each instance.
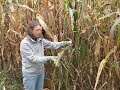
(37, 31)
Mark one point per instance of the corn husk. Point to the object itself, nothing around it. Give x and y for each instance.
(60, 55)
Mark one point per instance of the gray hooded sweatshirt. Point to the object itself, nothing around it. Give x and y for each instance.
(32, 54)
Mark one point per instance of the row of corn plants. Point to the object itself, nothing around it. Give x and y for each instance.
(91, 63)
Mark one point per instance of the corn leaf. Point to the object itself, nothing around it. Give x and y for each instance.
(118, 34)
(117, 21)
(108, 15)
(44, 25)
(101, 66)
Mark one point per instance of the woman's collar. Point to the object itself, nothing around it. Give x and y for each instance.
(33, 39)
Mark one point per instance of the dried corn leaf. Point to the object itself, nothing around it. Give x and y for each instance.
(30, 3)
(15, 21)
(3, 19)
(1, 9)
(26, 7)
(45, 3)
(97, 47)
(108, 15)
(11, 7)
(101, 66)
(117, 69)
(100, 2)
(55, 38)
(117, 21)
(44, 25)
(1, 1)
(106, 44)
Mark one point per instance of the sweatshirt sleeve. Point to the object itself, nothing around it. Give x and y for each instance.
(53, 45)
(27, 52)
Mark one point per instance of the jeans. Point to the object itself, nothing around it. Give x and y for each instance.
(33, 82)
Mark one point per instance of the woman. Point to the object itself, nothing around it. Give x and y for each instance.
(32, 54)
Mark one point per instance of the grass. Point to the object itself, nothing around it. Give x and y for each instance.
(10, 82)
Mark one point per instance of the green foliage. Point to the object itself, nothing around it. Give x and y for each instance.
(69, 3)
(9, 82)
(118, 29)
(2, 80)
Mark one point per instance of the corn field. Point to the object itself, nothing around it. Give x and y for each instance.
(93, 61)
